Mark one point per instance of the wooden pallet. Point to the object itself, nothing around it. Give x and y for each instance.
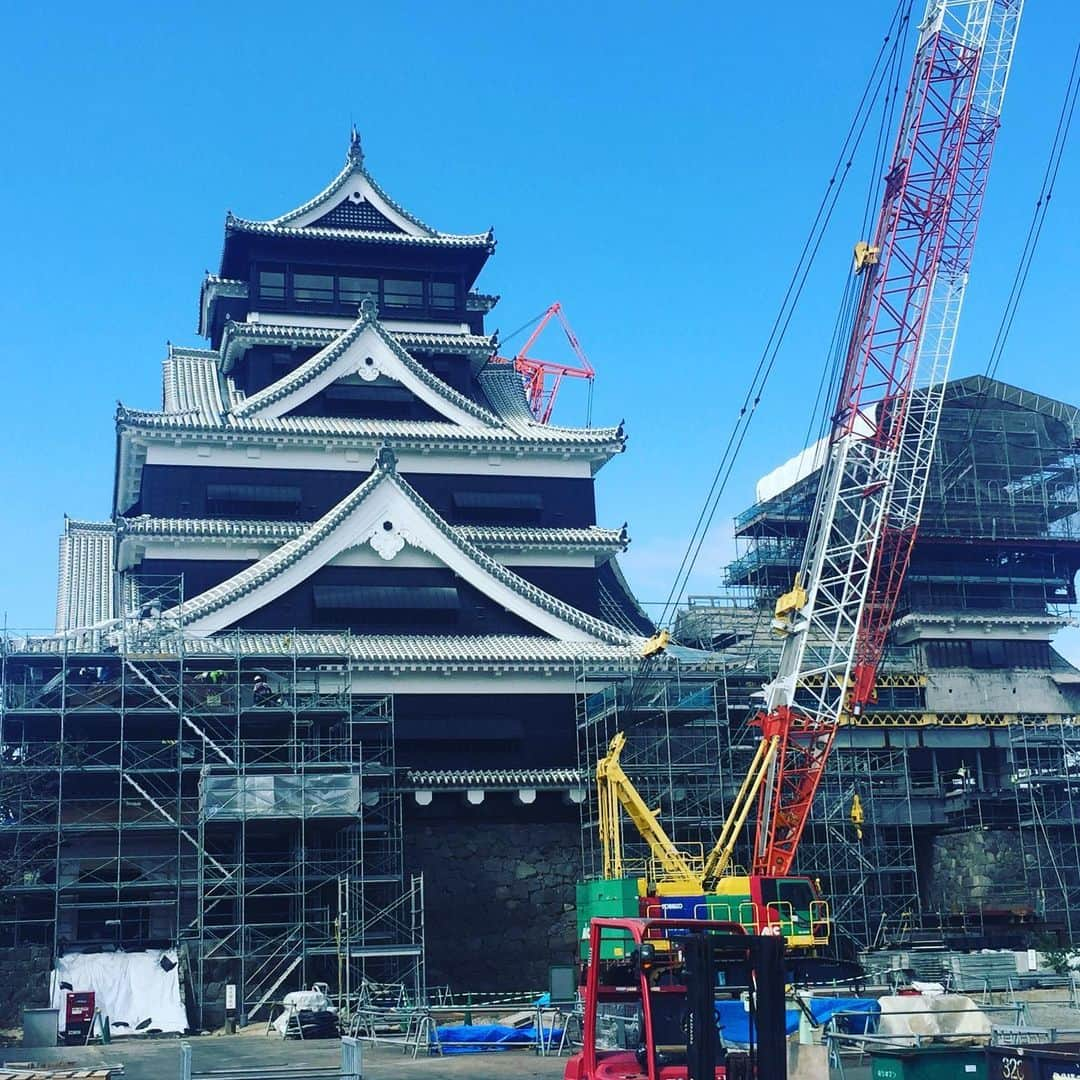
(7, 1073)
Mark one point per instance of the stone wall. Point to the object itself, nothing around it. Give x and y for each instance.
(975, 869)
(24, 981)
(499, 900)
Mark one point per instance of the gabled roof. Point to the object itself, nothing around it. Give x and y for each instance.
(200, 398)
(366, 350)
(387, 513)
(354, 207)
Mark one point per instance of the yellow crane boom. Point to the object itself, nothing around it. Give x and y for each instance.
(614, 789)
(717, 861)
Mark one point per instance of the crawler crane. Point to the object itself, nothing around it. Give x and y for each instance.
(874, 469)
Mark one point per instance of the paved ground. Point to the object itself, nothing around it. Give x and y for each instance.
(158, 1059)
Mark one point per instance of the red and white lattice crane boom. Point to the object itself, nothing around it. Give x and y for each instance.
(543, 378)
(876, 461)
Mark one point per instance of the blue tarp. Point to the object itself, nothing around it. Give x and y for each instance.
(478, 1038)
(823, 1009)
(734, 1020)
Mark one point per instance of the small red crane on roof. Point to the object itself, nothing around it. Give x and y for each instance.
(536, 373)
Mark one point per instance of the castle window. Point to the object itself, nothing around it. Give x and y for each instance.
(272, 284)
(497, 507)
(252, 500)
(398, 292)
(313, 288)
(351, 290)
(443, 295)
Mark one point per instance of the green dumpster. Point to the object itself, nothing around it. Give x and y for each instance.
(929, 1063)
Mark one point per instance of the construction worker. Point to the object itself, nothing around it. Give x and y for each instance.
(263, 694)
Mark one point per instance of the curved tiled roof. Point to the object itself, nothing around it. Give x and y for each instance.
(316, 365)
(483, 536)
(505, 389)
(199, 398)
(424, 433)
(238, 334)
(192, 386)
(400, 652)
(483, 302)
(492, 778)
(537, 536)
(485, 240)
(214, 285)
(414, 650)
(292, 551)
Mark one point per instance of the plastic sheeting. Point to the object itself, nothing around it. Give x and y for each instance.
(823, 1009)
(478, 1038)
(313, 1000)
(905, 1016)
(280, 795)
(734, 1020)
(138, 991)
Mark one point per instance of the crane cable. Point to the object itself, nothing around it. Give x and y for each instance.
(778, 331)
(1031, 241)
(1038, 217)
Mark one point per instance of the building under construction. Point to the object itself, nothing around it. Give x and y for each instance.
(154, 797)
(948, 805)
(325, 638)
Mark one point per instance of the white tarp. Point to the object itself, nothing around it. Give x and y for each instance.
(137, 991)
(312, 999)
(905, 1016)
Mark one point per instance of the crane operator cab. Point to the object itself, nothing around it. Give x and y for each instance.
(689, 1000)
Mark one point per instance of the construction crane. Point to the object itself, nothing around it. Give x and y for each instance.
(543, 378)
(837, 615)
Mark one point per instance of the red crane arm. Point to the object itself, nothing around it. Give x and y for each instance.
(863, 524)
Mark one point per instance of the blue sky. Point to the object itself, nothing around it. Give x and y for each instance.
(653, 166)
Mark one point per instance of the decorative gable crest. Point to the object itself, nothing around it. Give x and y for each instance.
(365, 350)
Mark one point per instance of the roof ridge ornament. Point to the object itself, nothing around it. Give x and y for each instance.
(355, 155)
(386, 460)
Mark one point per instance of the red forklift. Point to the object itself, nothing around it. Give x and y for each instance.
(654, 998)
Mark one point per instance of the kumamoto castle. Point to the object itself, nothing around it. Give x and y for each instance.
(325, 640)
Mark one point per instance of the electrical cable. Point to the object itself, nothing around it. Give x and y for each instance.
(807, 256)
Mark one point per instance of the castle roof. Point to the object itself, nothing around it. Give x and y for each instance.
(385, 512)
(354, 209)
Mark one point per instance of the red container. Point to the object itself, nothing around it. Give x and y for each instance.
(80, 1010)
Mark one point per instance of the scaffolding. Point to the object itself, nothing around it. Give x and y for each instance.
(232, 796)
(1005, 477)
(918, 777)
